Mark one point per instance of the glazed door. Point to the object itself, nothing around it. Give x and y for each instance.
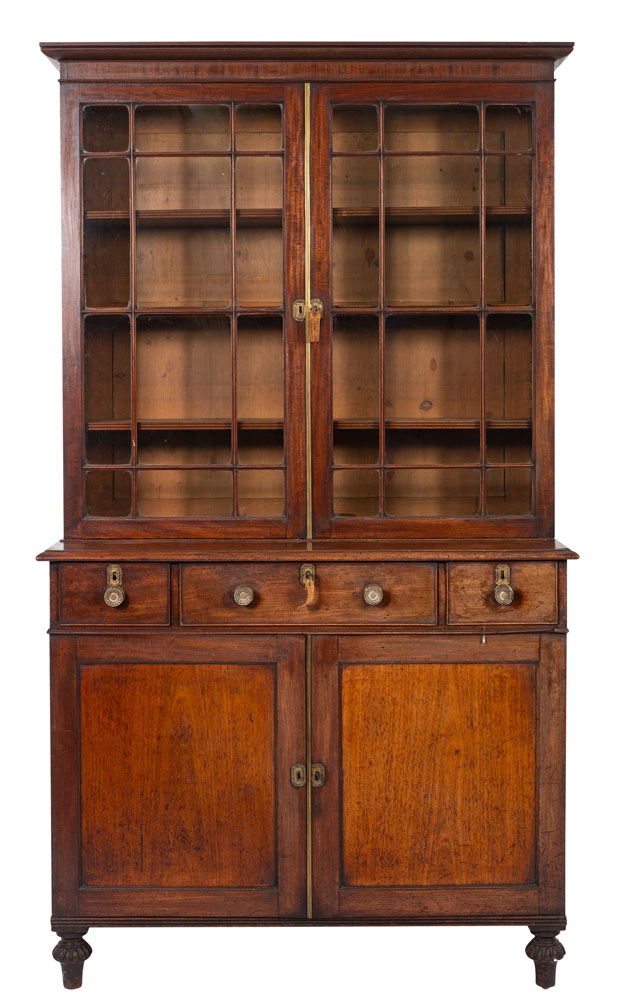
(192, 415)
(444, 782)
(172, 777)
(430, 205)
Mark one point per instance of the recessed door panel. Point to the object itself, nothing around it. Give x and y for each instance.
(439, 796)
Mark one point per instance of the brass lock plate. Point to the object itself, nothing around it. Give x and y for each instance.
(114, 594)
(312, 311)
(298, 775)
(319, 775)
(503, 591)
(307, 572)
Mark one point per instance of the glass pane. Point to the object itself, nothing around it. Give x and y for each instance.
(507, 447)
(355, 368)
(432, 447)
(260, 447)
(432, 368)
(508, 491)
(106, 185)
(183, 265)
(355, 231)
(355, 182)
(184, 368)
(260, 493)
(355, 447)
(259, 250)
(184, 493)
(432, 129)
(508, 127)
(432, 264)
(432, 492)
(432, 181)
(508, 262)
(173, 183)
(105, 129)
(355, 390)
(355, 129)
(108, 493)
(108, 447)
(508, 181)
(258, 128)
(355, 493)
(260, 370)
(355, 263)
(185, 128)
(259, 182)
(107, 368)
(509, 373)
(259, 266)
(184, 447)
(106, 263)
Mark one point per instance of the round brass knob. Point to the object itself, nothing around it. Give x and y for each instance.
(114, 596)
(243, 596)
(503, 593)
(373, 594)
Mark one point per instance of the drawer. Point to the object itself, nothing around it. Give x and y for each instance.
(409, 594)
(147, 594)
(470, 596)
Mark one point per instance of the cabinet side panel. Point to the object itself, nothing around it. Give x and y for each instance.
(543, 263)
(71, 303)
(551, 774)
(64, 776)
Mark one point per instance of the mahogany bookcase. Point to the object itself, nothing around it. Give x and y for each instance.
(308, 616)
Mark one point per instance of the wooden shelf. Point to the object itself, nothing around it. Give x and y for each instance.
(431, 425)
(254, 424)
(259, 424)
(429, 216)
(111, 215)
(191, 217)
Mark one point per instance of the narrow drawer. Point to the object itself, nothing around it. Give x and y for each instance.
(147, 594)
(279, 598)
(471, 600)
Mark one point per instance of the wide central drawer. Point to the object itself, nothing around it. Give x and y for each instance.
(339, 594)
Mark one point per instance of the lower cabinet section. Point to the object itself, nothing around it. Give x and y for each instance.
(183, 790)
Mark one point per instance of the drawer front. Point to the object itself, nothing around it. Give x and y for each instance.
(409, 594)
(471, 594)
(147, 595)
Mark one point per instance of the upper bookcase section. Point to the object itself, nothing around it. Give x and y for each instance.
(208, 61)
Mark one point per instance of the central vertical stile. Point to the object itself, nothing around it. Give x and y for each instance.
(308, 292)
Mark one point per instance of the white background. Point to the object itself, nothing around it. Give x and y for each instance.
(298, 963)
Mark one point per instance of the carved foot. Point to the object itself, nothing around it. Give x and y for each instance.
(72, 951)
(546, 951)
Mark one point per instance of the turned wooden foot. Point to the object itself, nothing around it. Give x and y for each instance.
(72, 951)
(546, 951)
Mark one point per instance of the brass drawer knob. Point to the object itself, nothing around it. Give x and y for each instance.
(243, 595)
(114, 593)
(503, 590)
(373, 594)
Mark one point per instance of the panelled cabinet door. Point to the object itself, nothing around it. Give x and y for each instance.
(444, 776)
(183, 751)
(192, 364)
(424, 397)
